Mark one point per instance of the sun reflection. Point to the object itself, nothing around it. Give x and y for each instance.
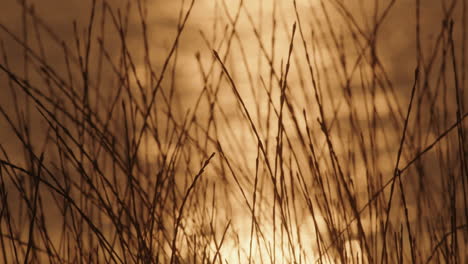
(320, 151)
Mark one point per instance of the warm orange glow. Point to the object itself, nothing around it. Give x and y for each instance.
(219, 131)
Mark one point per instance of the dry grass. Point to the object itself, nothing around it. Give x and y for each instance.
(263, 132)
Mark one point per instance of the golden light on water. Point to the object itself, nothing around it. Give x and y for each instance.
(266, 131)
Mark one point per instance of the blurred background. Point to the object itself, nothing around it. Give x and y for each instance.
(338, 131)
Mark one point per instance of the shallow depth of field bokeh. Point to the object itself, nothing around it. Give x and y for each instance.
(219, 131)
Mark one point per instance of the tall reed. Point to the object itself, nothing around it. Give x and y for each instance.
(233, 132)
